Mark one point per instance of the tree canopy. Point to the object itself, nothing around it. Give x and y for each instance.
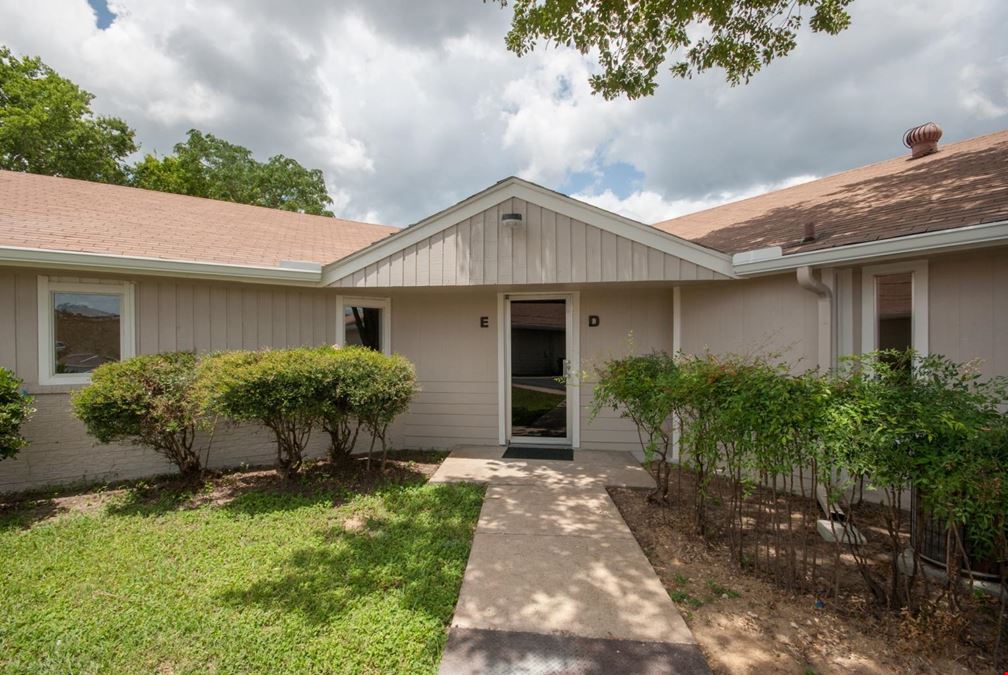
(207, 166)
(634, 38)
(47, 126)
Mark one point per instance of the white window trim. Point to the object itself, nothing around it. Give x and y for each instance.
(384, 304)
(46, 334)
(919, 299)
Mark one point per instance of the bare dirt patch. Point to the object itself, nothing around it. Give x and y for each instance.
(747, 623)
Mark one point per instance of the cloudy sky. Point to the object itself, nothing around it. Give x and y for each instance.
(410, 106)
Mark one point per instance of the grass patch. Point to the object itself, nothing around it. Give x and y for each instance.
(721, 591)
(269, 580)
(528, 405)
(681, 597)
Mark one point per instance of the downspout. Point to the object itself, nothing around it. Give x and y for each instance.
(810, 281)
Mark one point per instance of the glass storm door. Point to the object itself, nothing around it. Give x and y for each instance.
(538, 363)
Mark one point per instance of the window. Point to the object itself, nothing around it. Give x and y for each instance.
(81, 326)
(894, 311)
(366, 323)
(894, 307)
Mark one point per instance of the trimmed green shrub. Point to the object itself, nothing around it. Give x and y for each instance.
(15, 409)
(338, 418)
(376, 389)
(281, 389)
(148, 400)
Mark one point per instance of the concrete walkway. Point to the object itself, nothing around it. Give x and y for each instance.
(556, 581)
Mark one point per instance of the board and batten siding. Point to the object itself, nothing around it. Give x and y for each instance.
(547, 248)
(968, 313)
(767, 315)
(456, 361)
(170, 315)
(629, 323)
(176, 315)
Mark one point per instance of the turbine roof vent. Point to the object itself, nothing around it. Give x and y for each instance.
(922, 139)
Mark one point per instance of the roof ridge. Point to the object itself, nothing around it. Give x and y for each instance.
(177, 195)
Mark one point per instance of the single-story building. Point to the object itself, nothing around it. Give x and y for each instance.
(495, 296)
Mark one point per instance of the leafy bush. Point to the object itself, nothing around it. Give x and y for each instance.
(893, 421)
(647, 390)
(376, 389)
(905, 421)
(15, 409)
(149, 400)
(338, 418)
(293, 391)
(281, 389)
(749, 419)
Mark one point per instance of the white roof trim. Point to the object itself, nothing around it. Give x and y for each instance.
(987, 234)
(521, 189)
(98, 262)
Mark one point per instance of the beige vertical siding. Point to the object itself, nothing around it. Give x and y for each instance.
(548, 247)
(170, 315)
(769, 315)
(456, 363)
(178, 315)
(968, 298)
(637, 322)
(456, 359)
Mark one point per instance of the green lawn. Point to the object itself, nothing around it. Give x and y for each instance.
(528, 405)
(271, 581)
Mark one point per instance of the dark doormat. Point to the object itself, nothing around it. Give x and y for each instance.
(526, 452)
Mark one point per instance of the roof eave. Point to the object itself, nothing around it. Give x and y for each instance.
(299, 274)
(763, 261)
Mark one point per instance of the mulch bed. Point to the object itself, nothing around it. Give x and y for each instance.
(746, 622)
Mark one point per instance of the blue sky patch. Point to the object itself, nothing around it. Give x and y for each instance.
(622, 178)
(103, 15)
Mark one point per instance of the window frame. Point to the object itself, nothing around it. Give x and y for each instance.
(46, 320)
(918, 270)
(383, 304)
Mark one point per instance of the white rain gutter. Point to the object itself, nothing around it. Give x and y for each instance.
(808, 280)
(290, 273)
(772, 259)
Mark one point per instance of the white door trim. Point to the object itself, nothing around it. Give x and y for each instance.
(573, 304)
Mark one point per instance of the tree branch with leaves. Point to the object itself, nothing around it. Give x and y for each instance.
(632, 39)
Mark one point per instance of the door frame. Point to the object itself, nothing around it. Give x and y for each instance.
(573, 308)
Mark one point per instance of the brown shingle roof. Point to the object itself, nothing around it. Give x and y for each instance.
(74, 215)
(965, 183)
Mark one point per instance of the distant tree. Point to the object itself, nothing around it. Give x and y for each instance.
(47, 127)
(634, 38)
(207, 166)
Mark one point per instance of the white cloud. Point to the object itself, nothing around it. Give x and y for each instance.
(984, 88)
(553, 122)
(409, 107)
(647, 206)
